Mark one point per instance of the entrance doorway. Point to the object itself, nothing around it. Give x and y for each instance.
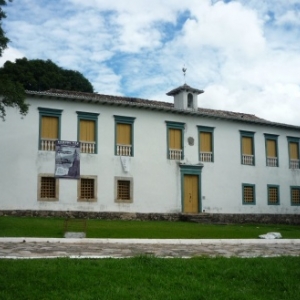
(191, 194)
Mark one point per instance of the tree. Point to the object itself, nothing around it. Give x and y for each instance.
(37, 75)
(40, 75)
(12, 94)
(3, 39)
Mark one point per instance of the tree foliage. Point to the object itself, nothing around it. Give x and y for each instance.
(40, 75)
(3, 39)
(12, 94)
(37, 75)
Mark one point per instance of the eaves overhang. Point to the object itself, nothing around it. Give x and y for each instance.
(153, 105)
(185, 88)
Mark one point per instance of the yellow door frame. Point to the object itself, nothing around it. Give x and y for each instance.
(191, 170)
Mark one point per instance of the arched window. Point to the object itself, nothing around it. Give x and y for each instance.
(190, 100)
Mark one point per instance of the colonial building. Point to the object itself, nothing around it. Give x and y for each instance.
(137, 155)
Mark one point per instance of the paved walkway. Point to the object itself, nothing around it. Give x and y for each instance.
(117, 248)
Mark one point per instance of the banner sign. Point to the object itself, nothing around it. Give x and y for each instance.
(67, 159)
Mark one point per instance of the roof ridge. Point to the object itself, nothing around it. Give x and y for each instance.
(158, 105)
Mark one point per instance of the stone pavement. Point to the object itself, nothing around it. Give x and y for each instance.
(118, 248)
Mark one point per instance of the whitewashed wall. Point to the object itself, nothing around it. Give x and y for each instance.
(156, 180)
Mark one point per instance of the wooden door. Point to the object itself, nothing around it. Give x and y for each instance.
(191, 195)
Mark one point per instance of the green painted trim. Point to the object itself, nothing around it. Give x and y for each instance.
(206, 129)
(272, 137)
(81, 115)
(49, 112)
(175, 125)
(278, 193)
(292, 139)
(191, 170)
(293, 187)
(125, 120)
(87, 115)
(244, 133)
(254, 196)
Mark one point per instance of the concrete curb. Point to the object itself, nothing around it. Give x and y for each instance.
(150, 241)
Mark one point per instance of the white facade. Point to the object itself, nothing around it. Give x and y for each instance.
(157, 182)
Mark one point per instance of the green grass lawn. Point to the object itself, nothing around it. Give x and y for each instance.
(151, 278)
(54, 227)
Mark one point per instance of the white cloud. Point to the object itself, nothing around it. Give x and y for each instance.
(289, 18)
(229, 27)
(241, 53)
(10, 54)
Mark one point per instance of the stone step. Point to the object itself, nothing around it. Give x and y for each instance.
(196, 218)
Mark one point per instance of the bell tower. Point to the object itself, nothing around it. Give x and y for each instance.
(185, 97)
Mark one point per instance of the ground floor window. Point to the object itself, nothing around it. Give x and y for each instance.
(273, 194)
(295, 195)
(123, 189)
(48, 188)
(87, 188)
(248, 193)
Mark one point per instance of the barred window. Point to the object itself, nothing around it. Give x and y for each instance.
(248, 194)
(295, 195)
(123, 189)
(47, 188)
(273, 195)
(87, 189)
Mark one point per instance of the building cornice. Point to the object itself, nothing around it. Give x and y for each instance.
(157, 106)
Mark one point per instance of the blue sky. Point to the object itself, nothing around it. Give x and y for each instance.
(244, 54)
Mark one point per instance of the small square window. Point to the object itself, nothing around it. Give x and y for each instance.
(47, 188)
(123, 189)
(87, 189)
(273, 195)
(248, 194)
(295, 195)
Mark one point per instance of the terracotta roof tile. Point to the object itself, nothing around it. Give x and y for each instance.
(157, 105)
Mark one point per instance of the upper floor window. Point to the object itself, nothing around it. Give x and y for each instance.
(271, 150)
(206, 143)
(49, 131)
(175, 140)
(87, 131)
(124, 136)
(293, 144)
(247, 148)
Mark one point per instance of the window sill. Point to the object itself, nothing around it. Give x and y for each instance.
(123, 201)
(87, 200)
